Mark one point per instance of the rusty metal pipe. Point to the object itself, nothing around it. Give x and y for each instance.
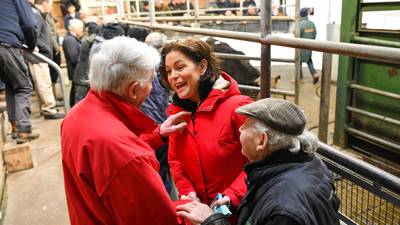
(245, 57)
(375, 53)
(212, 18)
(273, 91)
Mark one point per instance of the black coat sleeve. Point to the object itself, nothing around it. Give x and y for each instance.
(216, 219)
(27, 23)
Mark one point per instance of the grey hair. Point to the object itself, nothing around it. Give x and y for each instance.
(307, 141)
(75, 24)
(156, 39)
(120, 61)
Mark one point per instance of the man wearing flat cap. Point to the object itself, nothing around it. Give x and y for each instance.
(287, 184)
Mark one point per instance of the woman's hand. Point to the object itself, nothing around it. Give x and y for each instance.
(174, 123)
(223, 201)
(195, 212)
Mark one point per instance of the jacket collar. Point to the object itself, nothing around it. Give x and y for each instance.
(273, 164)
(131, 116)
(303, 18)
(217, 94)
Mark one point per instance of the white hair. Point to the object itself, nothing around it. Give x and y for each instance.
(307, 141)
(75, 24)
(156, 39)
(120, 61)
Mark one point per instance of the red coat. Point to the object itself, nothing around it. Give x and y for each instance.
(111, 175)
(206, 157)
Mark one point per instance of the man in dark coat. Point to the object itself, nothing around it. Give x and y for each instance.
(307, 30)
(17, 28)
(286, 183)
(81, 74)
(72, 46)
(64, 5)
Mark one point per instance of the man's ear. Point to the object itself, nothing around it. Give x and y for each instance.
(262, 142)
(203, 66)
(131, 90)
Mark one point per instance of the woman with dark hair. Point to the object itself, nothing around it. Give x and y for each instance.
(205, 159)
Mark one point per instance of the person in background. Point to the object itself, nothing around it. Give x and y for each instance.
(18, 28)
(251, 10)
(64, 5)
(72, 46)
(287, 183)
(51, 22)
(110, 169)
(81, 74)
(155, 106)
(40, 70)
(205, 158)
(307, 30)
(71, 14)
(109, 31)
(139, 33)
(247, 3)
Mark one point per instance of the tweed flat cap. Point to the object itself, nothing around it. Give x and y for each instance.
(278, 114)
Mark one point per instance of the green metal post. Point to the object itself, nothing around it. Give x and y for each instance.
(348, 27)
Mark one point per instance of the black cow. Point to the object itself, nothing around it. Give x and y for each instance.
(241, 70)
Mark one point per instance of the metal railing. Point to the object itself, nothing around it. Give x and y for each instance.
(368, 195)
(60, 76)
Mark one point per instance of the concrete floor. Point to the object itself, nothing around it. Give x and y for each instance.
(36, 196)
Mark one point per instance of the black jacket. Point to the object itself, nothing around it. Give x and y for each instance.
(287, 189)
(71, 46)
(44, 42)
(81, 73)
(296, 186)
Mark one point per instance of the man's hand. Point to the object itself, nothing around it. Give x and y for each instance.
(192, 196)
(195, 212)
(174, 123)
(223, 201)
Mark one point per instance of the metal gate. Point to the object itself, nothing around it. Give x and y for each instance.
(368, 94)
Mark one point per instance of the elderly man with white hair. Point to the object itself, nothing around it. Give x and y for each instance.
(110, 168)
(72, 47)
(287, 184)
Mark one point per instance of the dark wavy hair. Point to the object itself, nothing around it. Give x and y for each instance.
(196, 50)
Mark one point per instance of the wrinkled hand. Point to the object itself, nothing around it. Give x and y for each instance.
(173, 124)
(192, 196)
(223, 201)
(195, 212)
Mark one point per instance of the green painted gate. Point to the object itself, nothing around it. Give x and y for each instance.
(368, 92)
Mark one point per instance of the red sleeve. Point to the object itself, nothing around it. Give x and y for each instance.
(136, 195)
(182, 181)
(238, 188)
(153, 139)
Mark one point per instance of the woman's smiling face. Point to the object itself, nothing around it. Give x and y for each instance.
(184, 75)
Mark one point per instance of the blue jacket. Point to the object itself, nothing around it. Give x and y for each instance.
(17, 23)
(156, 103)
(294, 187)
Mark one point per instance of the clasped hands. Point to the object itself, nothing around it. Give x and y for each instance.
(197, 212)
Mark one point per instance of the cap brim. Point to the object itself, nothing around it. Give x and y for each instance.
(244, 111)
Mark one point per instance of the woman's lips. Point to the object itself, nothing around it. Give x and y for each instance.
(179, 86)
